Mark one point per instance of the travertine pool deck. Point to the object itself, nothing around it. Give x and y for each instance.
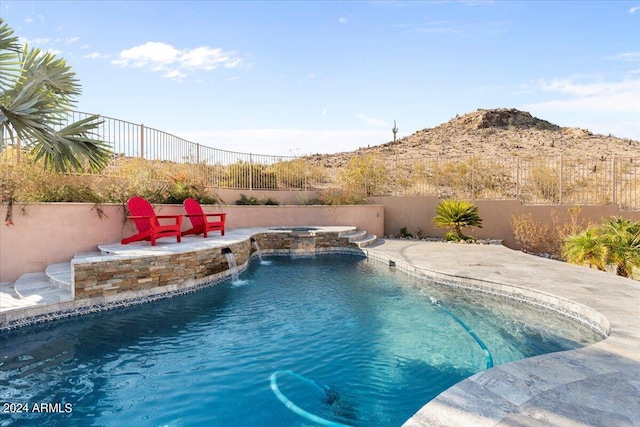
(598, 385)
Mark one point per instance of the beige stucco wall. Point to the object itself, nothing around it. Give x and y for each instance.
(49, 233)
(418, 213)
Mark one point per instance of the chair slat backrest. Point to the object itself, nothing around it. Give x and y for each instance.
(193, 208)
(141, 207)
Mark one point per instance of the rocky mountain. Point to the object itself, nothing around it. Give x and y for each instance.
(499, 132)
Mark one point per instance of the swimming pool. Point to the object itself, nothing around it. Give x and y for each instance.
(368, 336)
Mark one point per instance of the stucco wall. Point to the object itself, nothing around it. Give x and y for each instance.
(418, 213)
(49, 233)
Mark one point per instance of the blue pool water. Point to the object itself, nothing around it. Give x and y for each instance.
(363, 344)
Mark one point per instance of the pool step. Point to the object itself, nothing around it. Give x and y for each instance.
(361, 238)
(53, 286)
(40, 289)
(87, 255)
(60, 275)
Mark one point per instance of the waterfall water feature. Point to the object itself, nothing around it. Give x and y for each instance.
(255, 245)
(233, 267)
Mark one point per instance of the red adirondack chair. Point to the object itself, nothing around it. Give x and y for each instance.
(146, 220)
(200, 221)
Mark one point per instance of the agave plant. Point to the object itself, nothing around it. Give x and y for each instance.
(456, 215)
(37, 90)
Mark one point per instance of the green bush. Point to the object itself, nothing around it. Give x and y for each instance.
(251, 200)
(615, 242)
(456, 215)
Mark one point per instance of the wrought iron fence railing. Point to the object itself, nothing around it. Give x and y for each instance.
(158, 155)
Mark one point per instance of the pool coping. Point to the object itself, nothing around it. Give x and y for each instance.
(597, 385)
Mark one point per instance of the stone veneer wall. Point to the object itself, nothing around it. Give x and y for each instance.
(116, 275)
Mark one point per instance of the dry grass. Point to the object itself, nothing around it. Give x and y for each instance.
(547, 237)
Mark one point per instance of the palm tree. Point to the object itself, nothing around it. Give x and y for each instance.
(585, 248)
(37, 91)
(457, 214)
(622, 239)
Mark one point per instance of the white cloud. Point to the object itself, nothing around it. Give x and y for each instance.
(628, 56)
(601, 106)
(285, 142)
(175, 63)
(149, 54)
(370, 120)
(38, 41)
(342, 20)
(324, 112)
(31, 20)
(95, 55)
(73, 40)
(586, 92)
(309, 76)
(633, 10)
(206, 58)
(175, 75)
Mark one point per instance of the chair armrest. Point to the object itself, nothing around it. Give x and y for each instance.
(140, 216)
(221, 215)
(169, 216)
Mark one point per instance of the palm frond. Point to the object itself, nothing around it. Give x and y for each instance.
(52, 73)
(38, 90)
(75, 147)
(9, 61)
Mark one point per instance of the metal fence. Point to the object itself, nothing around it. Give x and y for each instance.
(151, 154)
(554, 180)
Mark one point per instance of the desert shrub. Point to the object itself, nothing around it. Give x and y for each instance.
(542, 184)
(27, 181)
(247, 200)
(546, 237)
(297, 173)
(414, 177)
(251, 200)
(532, 236)
(475, 178)
(364, 175)
(342, 196)
(248, 175)
(404, 232)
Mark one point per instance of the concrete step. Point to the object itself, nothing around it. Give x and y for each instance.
(9, 299)
(365, 241)
(360, 237)
(60, 275)
(38, 289)
(86, 255)
(354, 235)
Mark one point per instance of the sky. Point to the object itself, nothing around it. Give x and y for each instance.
(305, 77)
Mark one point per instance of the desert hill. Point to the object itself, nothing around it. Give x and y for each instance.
(499, 132)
